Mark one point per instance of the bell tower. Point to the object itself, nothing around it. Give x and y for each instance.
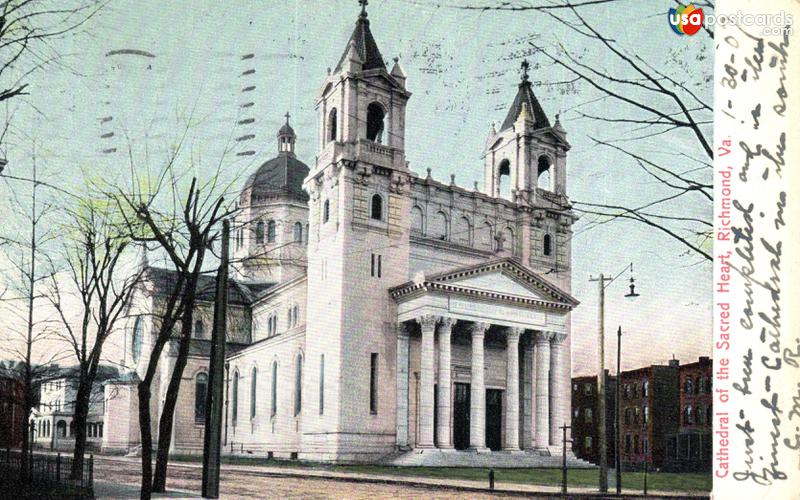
(526, 153)
(358, 249)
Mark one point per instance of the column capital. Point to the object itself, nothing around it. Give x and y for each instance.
(558, 338)
(427, 321)
(447, 323)
(542, 337)
(513, 333)
(479, 329)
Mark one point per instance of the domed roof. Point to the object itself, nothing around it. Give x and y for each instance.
(283, 174)
(287, 130)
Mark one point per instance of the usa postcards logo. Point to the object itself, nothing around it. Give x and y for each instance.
(686, 19)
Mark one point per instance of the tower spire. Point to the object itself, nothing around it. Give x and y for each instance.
(363, 4)
(524, 69)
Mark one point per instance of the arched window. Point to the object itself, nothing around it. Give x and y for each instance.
(326, 211)
(296, 314)
(687, 415)
(235, 399)
(375, 116)
(636, 444)
(199, 332)
(697, 385)
(200, 393)
(503, 188)
(417, 219)
(438, 226)
(547, 245)
(253, 380)
(260, 232)
(688, 386)
(376, 207)
(100, 429)
(544, 177)
(271, 231)
(645, 414)
(298, 232)
(645, 388)
(136, 338)
(298, 384)
(700, 414)
(332, 125)
(61, 429)
(274, 401)
(462, 233)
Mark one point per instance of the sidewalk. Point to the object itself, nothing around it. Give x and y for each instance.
(424, 482)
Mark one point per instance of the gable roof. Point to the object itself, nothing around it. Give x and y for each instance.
(448, 281)
(164, 280)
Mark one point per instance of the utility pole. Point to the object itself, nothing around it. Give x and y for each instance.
(601, 388)
(617, 419)
(564, 458)
(602, 283)
(213, 424)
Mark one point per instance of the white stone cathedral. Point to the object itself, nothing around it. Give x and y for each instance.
(377, 313)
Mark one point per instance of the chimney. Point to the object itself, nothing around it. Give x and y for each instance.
(674, 362)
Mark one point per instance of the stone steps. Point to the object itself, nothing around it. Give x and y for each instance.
(499, 459)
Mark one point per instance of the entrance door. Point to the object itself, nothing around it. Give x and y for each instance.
(461, 417)
(494, 419)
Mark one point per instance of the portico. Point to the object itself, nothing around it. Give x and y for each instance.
(483, 360)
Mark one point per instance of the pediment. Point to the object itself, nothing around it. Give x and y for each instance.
(500, 282)
(504, 279)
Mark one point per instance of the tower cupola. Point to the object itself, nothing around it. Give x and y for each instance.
(286, 138)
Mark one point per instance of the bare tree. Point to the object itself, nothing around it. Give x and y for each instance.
(645, 107)
(180, 221)
(30, 268)
(94, 246)
(26, 29)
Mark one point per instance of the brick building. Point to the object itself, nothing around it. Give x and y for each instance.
(649, 404)
(11, 414)
(585, 442)
(690, 449)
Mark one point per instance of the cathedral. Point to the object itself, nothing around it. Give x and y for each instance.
(376, 312)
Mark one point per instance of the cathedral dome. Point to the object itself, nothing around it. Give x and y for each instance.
(280, 176)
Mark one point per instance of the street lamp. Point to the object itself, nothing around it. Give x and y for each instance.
(603, 282)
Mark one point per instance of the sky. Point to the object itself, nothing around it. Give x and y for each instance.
(462, 69)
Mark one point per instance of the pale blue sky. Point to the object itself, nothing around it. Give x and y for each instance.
(462, 69)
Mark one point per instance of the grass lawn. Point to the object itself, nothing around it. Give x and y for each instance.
(664, 481)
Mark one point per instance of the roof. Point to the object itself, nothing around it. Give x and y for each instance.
(365, 45)
(448, 281)
(238, 293)
(282, 174)
(286, 129)
(525, 96)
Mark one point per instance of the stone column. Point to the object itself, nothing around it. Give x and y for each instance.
(426, 381)
(444, 431)
(477, 404)
(542, 382)
(512, 389)
(556, 388)
(402, 386)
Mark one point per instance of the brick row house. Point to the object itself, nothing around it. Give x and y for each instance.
(665, 417)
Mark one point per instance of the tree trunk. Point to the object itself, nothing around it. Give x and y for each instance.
(147, 439)
(82, 402)
(171, 399)
(27, 406)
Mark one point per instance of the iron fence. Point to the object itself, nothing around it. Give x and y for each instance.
(49, 472)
